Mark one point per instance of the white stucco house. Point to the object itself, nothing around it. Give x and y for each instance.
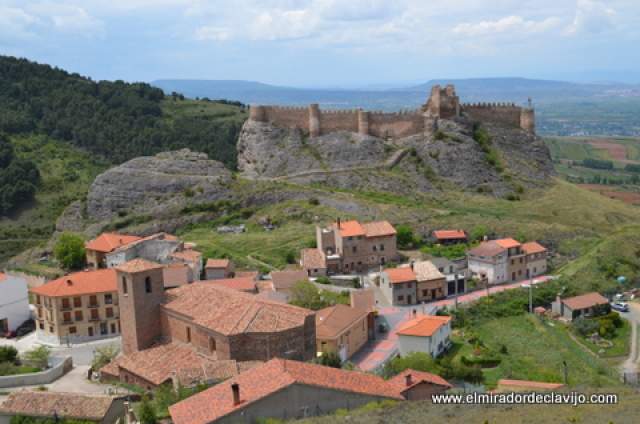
(425, 333)
(14, 302)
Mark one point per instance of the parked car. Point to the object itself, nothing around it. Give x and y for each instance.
(620, 306)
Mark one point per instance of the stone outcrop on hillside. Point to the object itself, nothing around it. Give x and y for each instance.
(448, 158)
(152, 184)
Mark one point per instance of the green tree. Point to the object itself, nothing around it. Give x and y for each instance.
(330, 359)
(8, 354)
(404, 236)
(146, 412)
(104, 355)
(69, 251)
(39, 356)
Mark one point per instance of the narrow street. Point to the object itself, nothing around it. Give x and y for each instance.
(632, 364)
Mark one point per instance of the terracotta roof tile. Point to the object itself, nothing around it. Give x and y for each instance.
(334, 320)
(426, 271)
(138, 265)
(313, 259)
(217, 263)
(487, 249)
(533, 247)
(248, 274)
(65, 405)
(285, 280)
(188, 255)
(417, 377)
(80, 283)
(379, 229)
(264, 380)
(423, 325)
(107, 242)
(228, 311)
(350, 228)
(508, 243)
(238, 283)
(449, 234)
(585, 301)
(400, 275)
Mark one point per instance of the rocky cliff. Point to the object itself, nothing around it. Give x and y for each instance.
(453, 157)
(150, 185)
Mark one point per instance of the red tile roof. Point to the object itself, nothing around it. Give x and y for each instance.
(152, 365)
(423, 325)
(77, 406)
(247, 274)
(217, 263)
(313, 259)
(138, 265)
(80, 283)
(417, 377)
(529, 384)
(400, 275)
(533, 247)
(238, 283)
(379, 229)
(487, 248)
(264, 380)
(334, 320)
(107, 242)
(508, 243)
(449, 234)
(350, 228)
(228, 311)
(188, 255)
(285, 280)
(585, 301)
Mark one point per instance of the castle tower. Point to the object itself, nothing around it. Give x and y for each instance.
(140, 293)
(314, 120)
(528, 118)
(363, 122)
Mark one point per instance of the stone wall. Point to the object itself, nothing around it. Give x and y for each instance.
(60, 367)
(504, 114)
(396, 125)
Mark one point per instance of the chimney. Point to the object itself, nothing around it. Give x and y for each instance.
(69, 283)
(235, 388)
(408, 380)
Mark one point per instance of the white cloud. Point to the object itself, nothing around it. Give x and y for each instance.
(591, 17)
(283, 25)
(15, 23)
(211, 33)
(510, 24)
(357, 10)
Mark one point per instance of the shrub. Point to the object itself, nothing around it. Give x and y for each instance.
(329, 359)
(8, 354)
(146, 412)
(404, 236)
(323, 280)
(103, 355)
(290, 257)
(69, 251)
(585, 327)
(313, 201)
(39, 356)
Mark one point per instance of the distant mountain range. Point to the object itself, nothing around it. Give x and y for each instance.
(516, 90)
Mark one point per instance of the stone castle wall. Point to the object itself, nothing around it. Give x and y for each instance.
(443, 103)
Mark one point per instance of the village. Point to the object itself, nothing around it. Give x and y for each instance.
(151, 315)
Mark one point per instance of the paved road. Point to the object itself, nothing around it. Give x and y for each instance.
(376, 352)
(632, 364)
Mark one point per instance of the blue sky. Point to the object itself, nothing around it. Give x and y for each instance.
(328, 42)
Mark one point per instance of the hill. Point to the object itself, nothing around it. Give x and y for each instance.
(114, 120)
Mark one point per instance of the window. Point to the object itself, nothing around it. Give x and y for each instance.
(188, 334)
(108, 299)
(77, 302)
(93, 301)
(354, 249)
(72, 330)
(124, 285)
(94, 315)
(41, 325)
(212, 344)
(78, 315)
(38, 299)
(409, 285)
(375, 247)
(90, 331)
(51, 329)
(520, 260)
(382, 247)
(382, 260)
(147, 284)
(400, 298)
(67, 317)
(113, 328)
(66, 304)
(513, 261)
(424, 292)
(109, 312)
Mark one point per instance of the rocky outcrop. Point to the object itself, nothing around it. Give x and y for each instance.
(449, 158)
(154, 184)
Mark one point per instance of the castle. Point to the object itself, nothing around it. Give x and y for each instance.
(443, 103)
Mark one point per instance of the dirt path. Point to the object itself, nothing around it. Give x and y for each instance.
(631, 364)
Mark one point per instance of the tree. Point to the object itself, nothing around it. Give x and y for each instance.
(39, 356)
(69, 251)
(404, 236)
(418, 361)
(8, 354)
(330, 359)
(104, 355)
(146, 412)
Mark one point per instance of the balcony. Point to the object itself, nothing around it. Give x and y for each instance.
(94, 305)
(66, 308)
(67, 322)
(97, 318)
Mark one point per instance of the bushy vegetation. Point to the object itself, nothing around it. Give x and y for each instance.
(69, 251)
(597, 163)
(306, 295)
(444, 367)
(104, 355)
(482, 137)
(115, 120)
(18, 177)
(11, 364)
(154, 406)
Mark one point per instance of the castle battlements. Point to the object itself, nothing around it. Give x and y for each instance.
(443, 103)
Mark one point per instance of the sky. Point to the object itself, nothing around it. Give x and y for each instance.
(328, 43)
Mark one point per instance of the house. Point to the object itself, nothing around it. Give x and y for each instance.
(585, 305)
(210, 320)
(283, 281)
(218, 269)
(314, 262)
(77, 308)
(455, 272)
(351, 246)
(536, 258)
(150, 368)
(505, 385)
(282, 389)
(14, 303)
(157, 248)
(55, 406)
(243, 284)
(425, 333)
(398, 285)
(431, 283)
(341, 329)
(448, 237)
(419, 385)
(190, 257)
(97, 249)
(506, 260)
(177, 274)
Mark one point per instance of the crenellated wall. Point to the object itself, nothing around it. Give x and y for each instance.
(443, 103)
